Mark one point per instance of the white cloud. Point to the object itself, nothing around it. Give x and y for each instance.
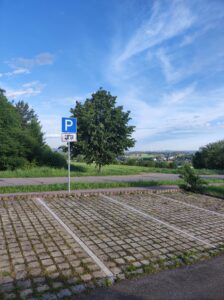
(169, 71)
(183, 107)
(179, 96)
(23, 66)
(28, 63)
(18, 71)
(166, 22)
(28, 89)
(162, 124)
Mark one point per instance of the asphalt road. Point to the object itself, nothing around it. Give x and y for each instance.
(52, 180)
(201, 281)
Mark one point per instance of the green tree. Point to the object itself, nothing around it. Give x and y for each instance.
(34, 137)
(103, 130)
(210, 157)
(22, 139)
(27, 113)
(12, 151)
(36, 149)
(192, 182)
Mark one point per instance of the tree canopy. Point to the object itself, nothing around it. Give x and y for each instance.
(27, 113)
(12, 150)
(21, 137)
(103, 130)
(210, 156)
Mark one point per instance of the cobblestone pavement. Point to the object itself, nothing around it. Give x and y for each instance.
(202, 201)
(200, 223)
(37, 257)
(128, 233)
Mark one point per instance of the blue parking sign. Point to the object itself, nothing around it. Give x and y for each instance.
(69, 125)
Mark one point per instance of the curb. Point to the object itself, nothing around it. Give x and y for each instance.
(112, 191)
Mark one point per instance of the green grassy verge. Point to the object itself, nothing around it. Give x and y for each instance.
(90, 185)
(83, 185)
(209, 172)
(82, 169)
(213, 190)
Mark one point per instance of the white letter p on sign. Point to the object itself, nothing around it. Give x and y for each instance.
(68, 123)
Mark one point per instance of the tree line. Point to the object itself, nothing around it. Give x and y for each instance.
(104, 134)
(210, 156)
(21, 138)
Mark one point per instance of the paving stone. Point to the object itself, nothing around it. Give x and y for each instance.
(20, 275)
(129, 258)
(49, 296)
(120, 261)
(6, 279)
(78, 288)
(72, 281)
(145, 262)
(137, 264)
(34, 264)
(98, 274)
(86, 277)
(64, 293)
(10, 296)
(116, 271)
(42, 288)
(25, 293)
(51, 269)
(35, 272)
(7, 287)
(47, 262)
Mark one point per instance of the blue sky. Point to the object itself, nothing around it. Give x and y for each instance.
(163, 59)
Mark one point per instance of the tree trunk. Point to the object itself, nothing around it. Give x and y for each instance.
(99, 168)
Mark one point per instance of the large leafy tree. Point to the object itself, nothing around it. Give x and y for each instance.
(27, 113)
(103, 130)
(211, 156)
(34, 136)
(21, 137)
(12, 150)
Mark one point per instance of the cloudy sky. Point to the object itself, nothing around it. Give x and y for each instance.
(163, 59)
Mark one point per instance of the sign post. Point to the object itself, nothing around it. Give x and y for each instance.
(69, 168)
(69, 134)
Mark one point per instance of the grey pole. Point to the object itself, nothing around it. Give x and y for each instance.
(69, 162)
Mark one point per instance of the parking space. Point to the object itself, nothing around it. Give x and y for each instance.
(202, 223)
(56, 247)
(203, 201)
(37, 257)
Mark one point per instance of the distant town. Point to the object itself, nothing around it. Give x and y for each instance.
(153, 158)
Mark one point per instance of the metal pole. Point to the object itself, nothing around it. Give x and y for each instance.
(69, 162)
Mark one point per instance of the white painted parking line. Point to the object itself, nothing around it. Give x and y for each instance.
(190, 205)
(157, 220)
(106, 271)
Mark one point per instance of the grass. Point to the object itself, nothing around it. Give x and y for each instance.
(82, 169)
(90, 185)
(83, 185)
(217, 191)
(209, 172)
(176, 261)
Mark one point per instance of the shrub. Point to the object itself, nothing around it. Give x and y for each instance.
(52, 159)
(210, 156)
(192, 182)
(12, 163)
